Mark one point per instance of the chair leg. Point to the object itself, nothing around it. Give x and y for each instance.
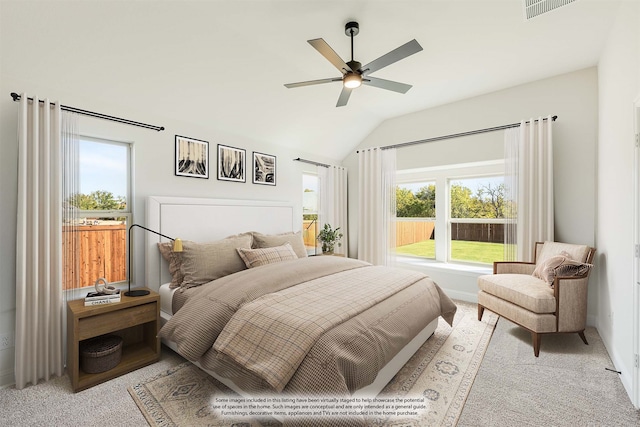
(536, 343)
(480, 312)
(584, 339)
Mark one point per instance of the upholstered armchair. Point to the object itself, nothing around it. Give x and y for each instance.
(546, 296)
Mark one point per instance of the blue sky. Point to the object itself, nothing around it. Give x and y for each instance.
(103, 167)
(309, 182)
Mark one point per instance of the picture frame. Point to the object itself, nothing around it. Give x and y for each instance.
(264, 169)
(191, 157)
(231, 164)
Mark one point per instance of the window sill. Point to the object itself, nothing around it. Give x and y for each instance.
(469, 269)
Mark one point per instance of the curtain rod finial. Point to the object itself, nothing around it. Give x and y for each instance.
(15, 96)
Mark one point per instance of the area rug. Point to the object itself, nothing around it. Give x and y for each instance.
(439, 377)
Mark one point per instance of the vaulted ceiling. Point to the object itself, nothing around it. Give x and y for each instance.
(225, 63)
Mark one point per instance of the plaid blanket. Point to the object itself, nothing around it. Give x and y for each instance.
(272, 334)
(345, 357)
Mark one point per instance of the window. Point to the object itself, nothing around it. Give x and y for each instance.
(461, 206)
(477, 219)
(310, 200)
(416, 219)
(97, 238)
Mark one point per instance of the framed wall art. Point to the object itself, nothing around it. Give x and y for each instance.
(264, 169)
(231, 164)
(192, 157)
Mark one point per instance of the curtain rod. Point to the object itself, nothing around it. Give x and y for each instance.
(16, 97)
(311, 162)
(456, 135)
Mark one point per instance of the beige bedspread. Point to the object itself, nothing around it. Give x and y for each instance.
(355, 338)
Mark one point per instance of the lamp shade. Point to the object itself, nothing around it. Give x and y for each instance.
(177, 247)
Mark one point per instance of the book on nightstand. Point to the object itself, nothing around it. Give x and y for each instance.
(102, 301)
(97, 298)
(92, 296)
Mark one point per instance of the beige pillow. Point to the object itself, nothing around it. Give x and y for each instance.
(204, 262)
(175, 262)
(574, 252)
(560, 266)
(257, 257)
(546, 270)
(270, 240)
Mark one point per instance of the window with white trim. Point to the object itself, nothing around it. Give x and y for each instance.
(97, 240)
(465, 204)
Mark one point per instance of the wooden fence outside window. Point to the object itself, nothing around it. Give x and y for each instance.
(100, 251)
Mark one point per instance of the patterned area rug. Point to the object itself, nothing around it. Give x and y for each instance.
(440, 374)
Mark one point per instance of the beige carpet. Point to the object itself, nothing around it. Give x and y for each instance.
(440, 375)
(570, 384)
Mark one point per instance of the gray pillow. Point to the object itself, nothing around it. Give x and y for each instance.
(204, 262)
(270, 240)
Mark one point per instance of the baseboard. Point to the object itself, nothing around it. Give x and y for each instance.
(7, 378)
(626, 377)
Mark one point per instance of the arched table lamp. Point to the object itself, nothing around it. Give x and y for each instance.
(177, 247)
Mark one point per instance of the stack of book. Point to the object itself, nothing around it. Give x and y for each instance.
(97, 298)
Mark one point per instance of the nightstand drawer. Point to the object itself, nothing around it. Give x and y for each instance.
(116, 320)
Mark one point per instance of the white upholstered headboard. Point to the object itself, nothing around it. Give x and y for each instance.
(204, 220)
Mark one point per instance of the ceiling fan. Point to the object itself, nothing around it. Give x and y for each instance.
(353, 73)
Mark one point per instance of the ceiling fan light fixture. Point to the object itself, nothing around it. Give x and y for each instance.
(352, 80)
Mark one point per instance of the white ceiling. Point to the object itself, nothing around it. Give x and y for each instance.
(224, 63)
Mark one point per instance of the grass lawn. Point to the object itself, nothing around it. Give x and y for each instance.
(461, 250)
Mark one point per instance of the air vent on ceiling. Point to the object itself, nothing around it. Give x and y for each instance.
(533, 8)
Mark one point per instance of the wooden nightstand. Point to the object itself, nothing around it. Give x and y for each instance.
(135, 319)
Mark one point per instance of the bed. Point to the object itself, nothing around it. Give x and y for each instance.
(371, 322)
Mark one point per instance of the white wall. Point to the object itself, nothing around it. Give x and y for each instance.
(153, 175)
(153, 154)
(573, 97)
(619, 85)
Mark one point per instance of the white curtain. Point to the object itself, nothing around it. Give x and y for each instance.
(376, 205)
(529, 184)
(332, 202)
(39, 340)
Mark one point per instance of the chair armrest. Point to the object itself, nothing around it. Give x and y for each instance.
(510, 267)
(571, 297)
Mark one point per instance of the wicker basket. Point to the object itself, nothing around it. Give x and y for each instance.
(100, 354)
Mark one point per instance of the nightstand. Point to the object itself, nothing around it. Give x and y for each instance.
(135, 319)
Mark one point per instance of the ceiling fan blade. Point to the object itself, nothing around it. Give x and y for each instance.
(344, 97)
(325, 50)
(386, 84)
(395, 55)
(313, 82)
